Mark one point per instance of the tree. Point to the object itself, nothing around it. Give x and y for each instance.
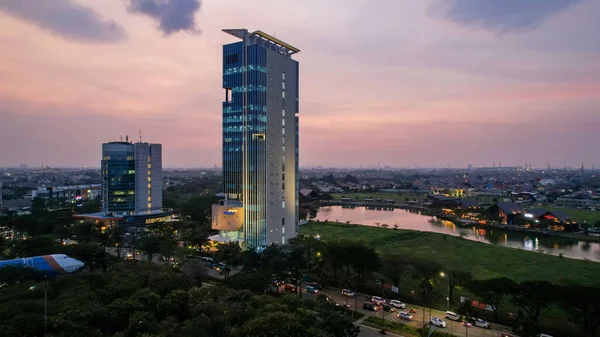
(457, 278)
(149, 244)
(394, 267)
(492, 291)
(582, 304)
(229, 253)
(531, 297)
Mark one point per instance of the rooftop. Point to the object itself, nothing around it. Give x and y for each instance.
(260, 36)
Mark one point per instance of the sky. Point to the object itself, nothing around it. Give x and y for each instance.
(433, 83)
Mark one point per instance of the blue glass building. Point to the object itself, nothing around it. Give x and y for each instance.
(260, 138)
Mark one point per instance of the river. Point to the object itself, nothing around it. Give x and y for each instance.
(406, 219)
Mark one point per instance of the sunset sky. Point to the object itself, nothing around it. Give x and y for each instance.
(426, 82)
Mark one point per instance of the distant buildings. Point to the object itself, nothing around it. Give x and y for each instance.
(67, 193)
(131, 185)
(260, 141)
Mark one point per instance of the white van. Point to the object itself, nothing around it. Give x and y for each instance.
(452, 316)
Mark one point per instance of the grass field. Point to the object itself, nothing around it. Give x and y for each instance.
(482, 260)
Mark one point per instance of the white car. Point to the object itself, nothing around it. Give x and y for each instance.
(347, 292)
(377, 300)
(405, 315)
(438, 322)
(481, 323)
(397, 304)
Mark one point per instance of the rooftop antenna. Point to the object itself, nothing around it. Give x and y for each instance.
(127, 138)
(140, 135)
(121, 137)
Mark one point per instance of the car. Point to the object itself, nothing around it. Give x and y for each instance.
(437, 322)
(316, 286)
(480, 323)
(377, 300)
(370, 306)
(289, 288)
(206, 259)
(324, 298)
(397, 304)
(451, 315)
(311, 290)
(388, 308)
(347, 292)
(405, 315)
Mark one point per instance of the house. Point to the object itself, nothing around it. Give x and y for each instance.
(553, 220)
(505, 212)
(467, 204)
(440, 201)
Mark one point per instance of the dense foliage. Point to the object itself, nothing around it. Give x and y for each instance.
(142, 299)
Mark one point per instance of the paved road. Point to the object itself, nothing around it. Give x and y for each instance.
(455, 328)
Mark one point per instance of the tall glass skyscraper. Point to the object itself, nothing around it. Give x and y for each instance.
(260, 141)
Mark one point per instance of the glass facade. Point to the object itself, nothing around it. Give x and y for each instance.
(118, 177)
(259, 140)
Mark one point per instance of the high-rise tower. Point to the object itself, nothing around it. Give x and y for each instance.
(131, 178)
(260, 141)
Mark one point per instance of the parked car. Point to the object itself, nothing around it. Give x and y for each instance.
(377, 300)
(289, 288)
(388, 308)
(451, 315)
(405, 315)
(397, 304)
(311, 290)
(347, 292)
(370, 306)
(437, 322)
(480, 323)
(206, 259)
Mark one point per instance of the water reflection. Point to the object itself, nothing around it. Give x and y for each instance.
(410, 219)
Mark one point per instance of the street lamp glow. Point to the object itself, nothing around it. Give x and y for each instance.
(442, 274)
(318, 237)
(318, 254)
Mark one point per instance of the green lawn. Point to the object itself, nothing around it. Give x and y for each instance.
(482, 260)
(399, 197)
(579, 215)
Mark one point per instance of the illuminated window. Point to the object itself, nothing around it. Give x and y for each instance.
(149, 179)
(149, 205)
(283, 94)
(283, 131)
(283, 122)
(149, 165)
(129, 157)
(149, 185)
(149, 199)
(283, 112)
(106, 157)
(149, 172)
(283, 204)
(283, 85)
(283, 75)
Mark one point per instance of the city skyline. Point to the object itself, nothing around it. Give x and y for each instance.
(432, 83)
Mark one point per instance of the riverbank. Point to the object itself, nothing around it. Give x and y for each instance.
(471, 223)
(481, 260)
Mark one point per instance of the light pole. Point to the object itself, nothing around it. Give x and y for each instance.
(45, 304)
(447, 277)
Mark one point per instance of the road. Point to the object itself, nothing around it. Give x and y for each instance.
(455, 328)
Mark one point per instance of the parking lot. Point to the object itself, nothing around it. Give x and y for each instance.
(419, 316)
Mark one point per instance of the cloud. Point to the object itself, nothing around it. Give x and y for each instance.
(501, 16)
(173, 15)
(65, 18)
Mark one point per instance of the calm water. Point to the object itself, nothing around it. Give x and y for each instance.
(413, 220)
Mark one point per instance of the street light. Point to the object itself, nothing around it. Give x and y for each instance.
(447, 277)
(45, 301)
